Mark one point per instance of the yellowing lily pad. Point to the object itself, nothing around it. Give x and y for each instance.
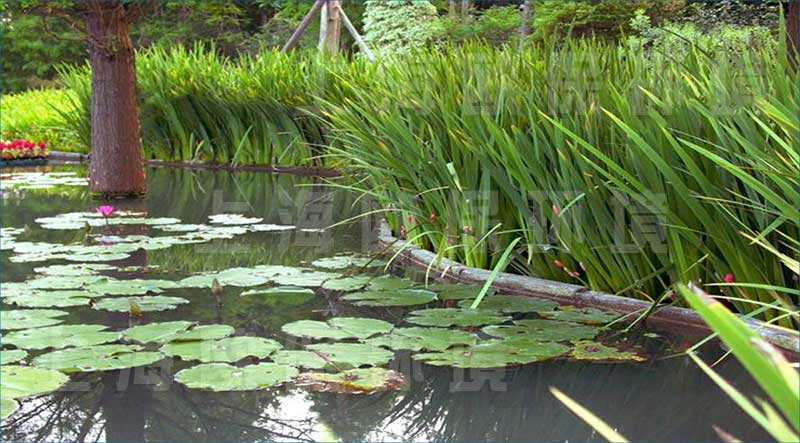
(25, 381)
(494, 354)
(61, 336)
(589, 316)
(339, 328)
(428, 339)
(589, 350)
(97, 358)
(400, 297)
(299, 359)
(352, 355)
(149, 303)
(510, 304)
(543, 330)
(29, 318)
(461, 317)
(225, 350)
(221, 377)
(354, 381)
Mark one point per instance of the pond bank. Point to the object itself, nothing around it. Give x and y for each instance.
(680, 321)
(60, 156)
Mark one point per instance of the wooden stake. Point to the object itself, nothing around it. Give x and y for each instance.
(525, 26)
(356, 36)
(331, 27)
(295, 38)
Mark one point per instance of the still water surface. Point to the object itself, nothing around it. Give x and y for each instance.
(658, 400)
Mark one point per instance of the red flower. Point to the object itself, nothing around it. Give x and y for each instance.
(467, 230)
(432, 218)
(402, 231)
(556, 211)
(729, 278)
(558, 264)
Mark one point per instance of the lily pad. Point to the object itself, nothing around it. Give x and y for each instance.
(25, 381)
(352, 355)
(589, 316)
(400, 297)
(346, 261)
(347, 283)
(130, 287)
(446, 317)
(390, 283)
(225, 350)
(204, 332)
(61, 336)
(510, 304)
(354, 381)
(8, 356)
(97, 358)
(299, 359)
(429, 339)
(50, 299)
(156, 332)
(494, 354)
(75, 269)
(280, 291)
(233, 219)
(590, 350)
(339, 328)
(221, 377)
(267, 227)
(29, 318)
(148, 303)
(239, 277)
(448, 291)
(8, 407)
(543, 330)
(312, 279)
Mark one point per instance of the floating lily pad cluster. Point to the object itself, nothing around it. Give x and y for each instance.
(40, 180)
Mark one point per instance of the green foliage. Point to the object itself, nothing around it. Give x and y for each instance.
(37, 115)
(395, 26)
(495, 25)
(559, 18)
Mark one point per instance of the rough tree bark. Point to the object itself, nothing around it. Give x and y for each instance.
(793, 29)
(331, 27)
(117, 161)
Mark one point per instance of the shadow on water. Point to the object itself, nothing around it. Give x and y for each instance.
(659, 400)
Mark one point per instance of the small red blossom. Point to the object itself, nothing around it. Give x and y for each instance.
(432, 218)
(556, 211)
(403, 231)
(729, 278)
(558, 264)
(467, 230)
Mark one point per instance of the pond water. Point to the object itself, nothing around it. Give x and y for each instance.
(283, 220)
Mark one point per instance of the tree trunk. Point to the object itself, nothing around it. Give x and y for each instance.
(793, 29)
(331, 27)
(525, 26)
(117, 163)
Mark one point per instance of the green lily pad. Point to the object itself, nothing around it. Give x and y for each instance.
(347, 283)
(312, 279)
(239, 277)
(354, 381)
(280, 291)
(75, 269)
(268, 227)
(51, 299)
(589, 316)
(156, 332)
(25, 381)
(97, 358)
(225, 350)
(130, 287)
(50, 282)
(61, 336)
(339, 328)
(352, 355)
(149, 303)
(299, 359)
(429, 339)
(8, 356)
(390, 283)
(8, 407)
(446, 317)
(29, 318)
(448, 291)
(221, 377)
(400, 297)
(494, 354)
(543, 330)
(346, 261)
(510, 304)
(204, 332)
(590, 350)
(180, 227)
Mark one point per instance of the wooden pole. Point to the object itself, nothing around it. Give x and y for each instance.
(525, 26)
(356, 36)
(792, 10)
(332, 26)
(295, 38)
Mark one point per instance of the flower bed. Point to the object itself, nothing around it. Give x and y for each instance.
(23, 152)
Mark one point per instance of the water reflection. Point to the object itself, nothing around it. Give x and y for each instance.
(663, 400)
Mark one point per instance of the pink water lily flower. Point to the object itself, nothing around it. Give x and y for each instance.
(105, 210)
